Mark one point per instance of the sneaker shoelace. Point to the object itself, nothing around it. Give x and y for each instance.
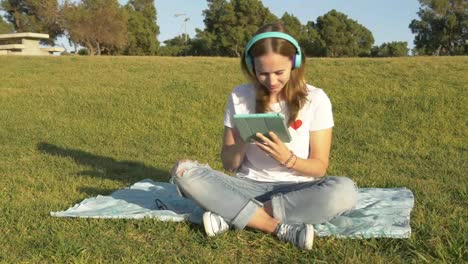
(221, 224)
(290, 233)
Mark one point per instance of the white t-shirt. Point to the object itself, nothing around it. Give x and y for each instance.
(315, 115)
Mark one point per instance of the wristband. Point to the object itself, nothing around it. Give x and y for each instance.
(294, 163)
(291, 156)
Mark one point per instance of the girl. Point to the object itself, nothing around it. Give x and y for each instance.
(278, 187)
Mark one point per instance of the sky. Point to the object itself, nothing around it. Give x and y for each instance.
(388, 20)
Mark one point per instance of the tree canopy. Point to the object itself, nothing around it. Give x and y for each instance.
(392, 49)
(142, 28)
(98, 25)
(106, 27)
(177, 46)
(343, 37)
(307, 35)
(230, 24)
(40, 16)
(442, 28)
(294, 26)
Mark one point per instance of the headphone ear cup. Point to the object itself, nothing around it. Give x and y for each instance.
(297, 61)
(249, 63)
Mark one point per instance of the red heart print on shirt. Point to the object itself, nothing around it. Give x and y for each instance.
(297, 124)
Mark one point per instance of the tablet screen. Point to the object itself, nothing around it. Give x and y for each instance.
(250, 124)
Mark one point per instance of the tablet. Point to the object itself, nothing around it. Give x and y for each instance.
(250, 124)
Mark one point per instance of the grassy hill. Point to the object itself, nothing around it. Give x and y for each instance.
(76, 127)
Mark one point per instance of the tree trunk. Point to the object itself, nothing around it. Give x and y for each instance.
(18, 24)
(437, 51)
(90, 48)
(236, 51)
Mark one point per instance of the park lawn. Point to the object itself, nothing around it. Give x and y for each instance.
(76, 127)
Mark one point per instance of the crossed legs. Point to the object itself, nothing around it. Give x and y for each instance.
(263, 205)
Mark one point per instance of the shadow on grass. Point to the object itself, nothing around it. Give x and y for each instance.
(127, 172)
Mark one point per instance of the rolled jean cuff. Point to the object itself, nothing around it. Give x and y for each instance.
(245, 214)
(278, 208)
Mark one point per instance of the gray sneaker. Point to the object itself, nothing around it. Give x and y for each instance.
(301, 236)
(214, 224)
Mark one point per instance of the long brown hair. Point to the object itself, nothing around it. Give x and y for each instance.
(295, 90)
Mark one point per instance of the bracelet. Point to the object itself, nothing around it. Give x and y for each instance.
(285, 164)
(294, 163)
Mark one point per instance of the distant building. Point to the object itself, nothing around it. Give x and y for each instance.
(26, 43)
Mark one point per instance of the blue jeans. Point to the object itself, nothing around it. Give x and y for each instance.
(236, 199)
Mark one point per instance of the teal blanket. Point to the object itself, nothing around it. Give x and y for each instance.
(380, 212)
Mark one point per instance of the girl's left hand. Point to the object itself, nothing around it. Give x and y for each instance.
(275, 148)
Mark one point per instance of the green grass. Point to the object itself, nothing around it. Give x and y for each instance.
(76, 127)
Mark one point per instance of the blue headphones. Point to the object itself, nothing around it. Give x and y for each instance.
(297, 59)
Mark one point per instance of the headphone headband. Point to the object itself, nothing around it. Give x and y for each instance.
(297, 59)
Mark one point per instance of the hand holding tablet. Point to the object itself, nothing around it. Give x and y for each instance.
(250, 124)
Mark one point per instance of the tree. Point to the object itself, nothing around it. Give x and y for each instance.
(218, 19)
(39, 16)
(443, 28)
(343, 37)
(98, 25)
(142, 28)
(176, 46)
(202, 44)
(229, 25)
(313, 44)
(307, 36)
(250, 15)
(5, 27)
(294, 26)
(392, 49)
